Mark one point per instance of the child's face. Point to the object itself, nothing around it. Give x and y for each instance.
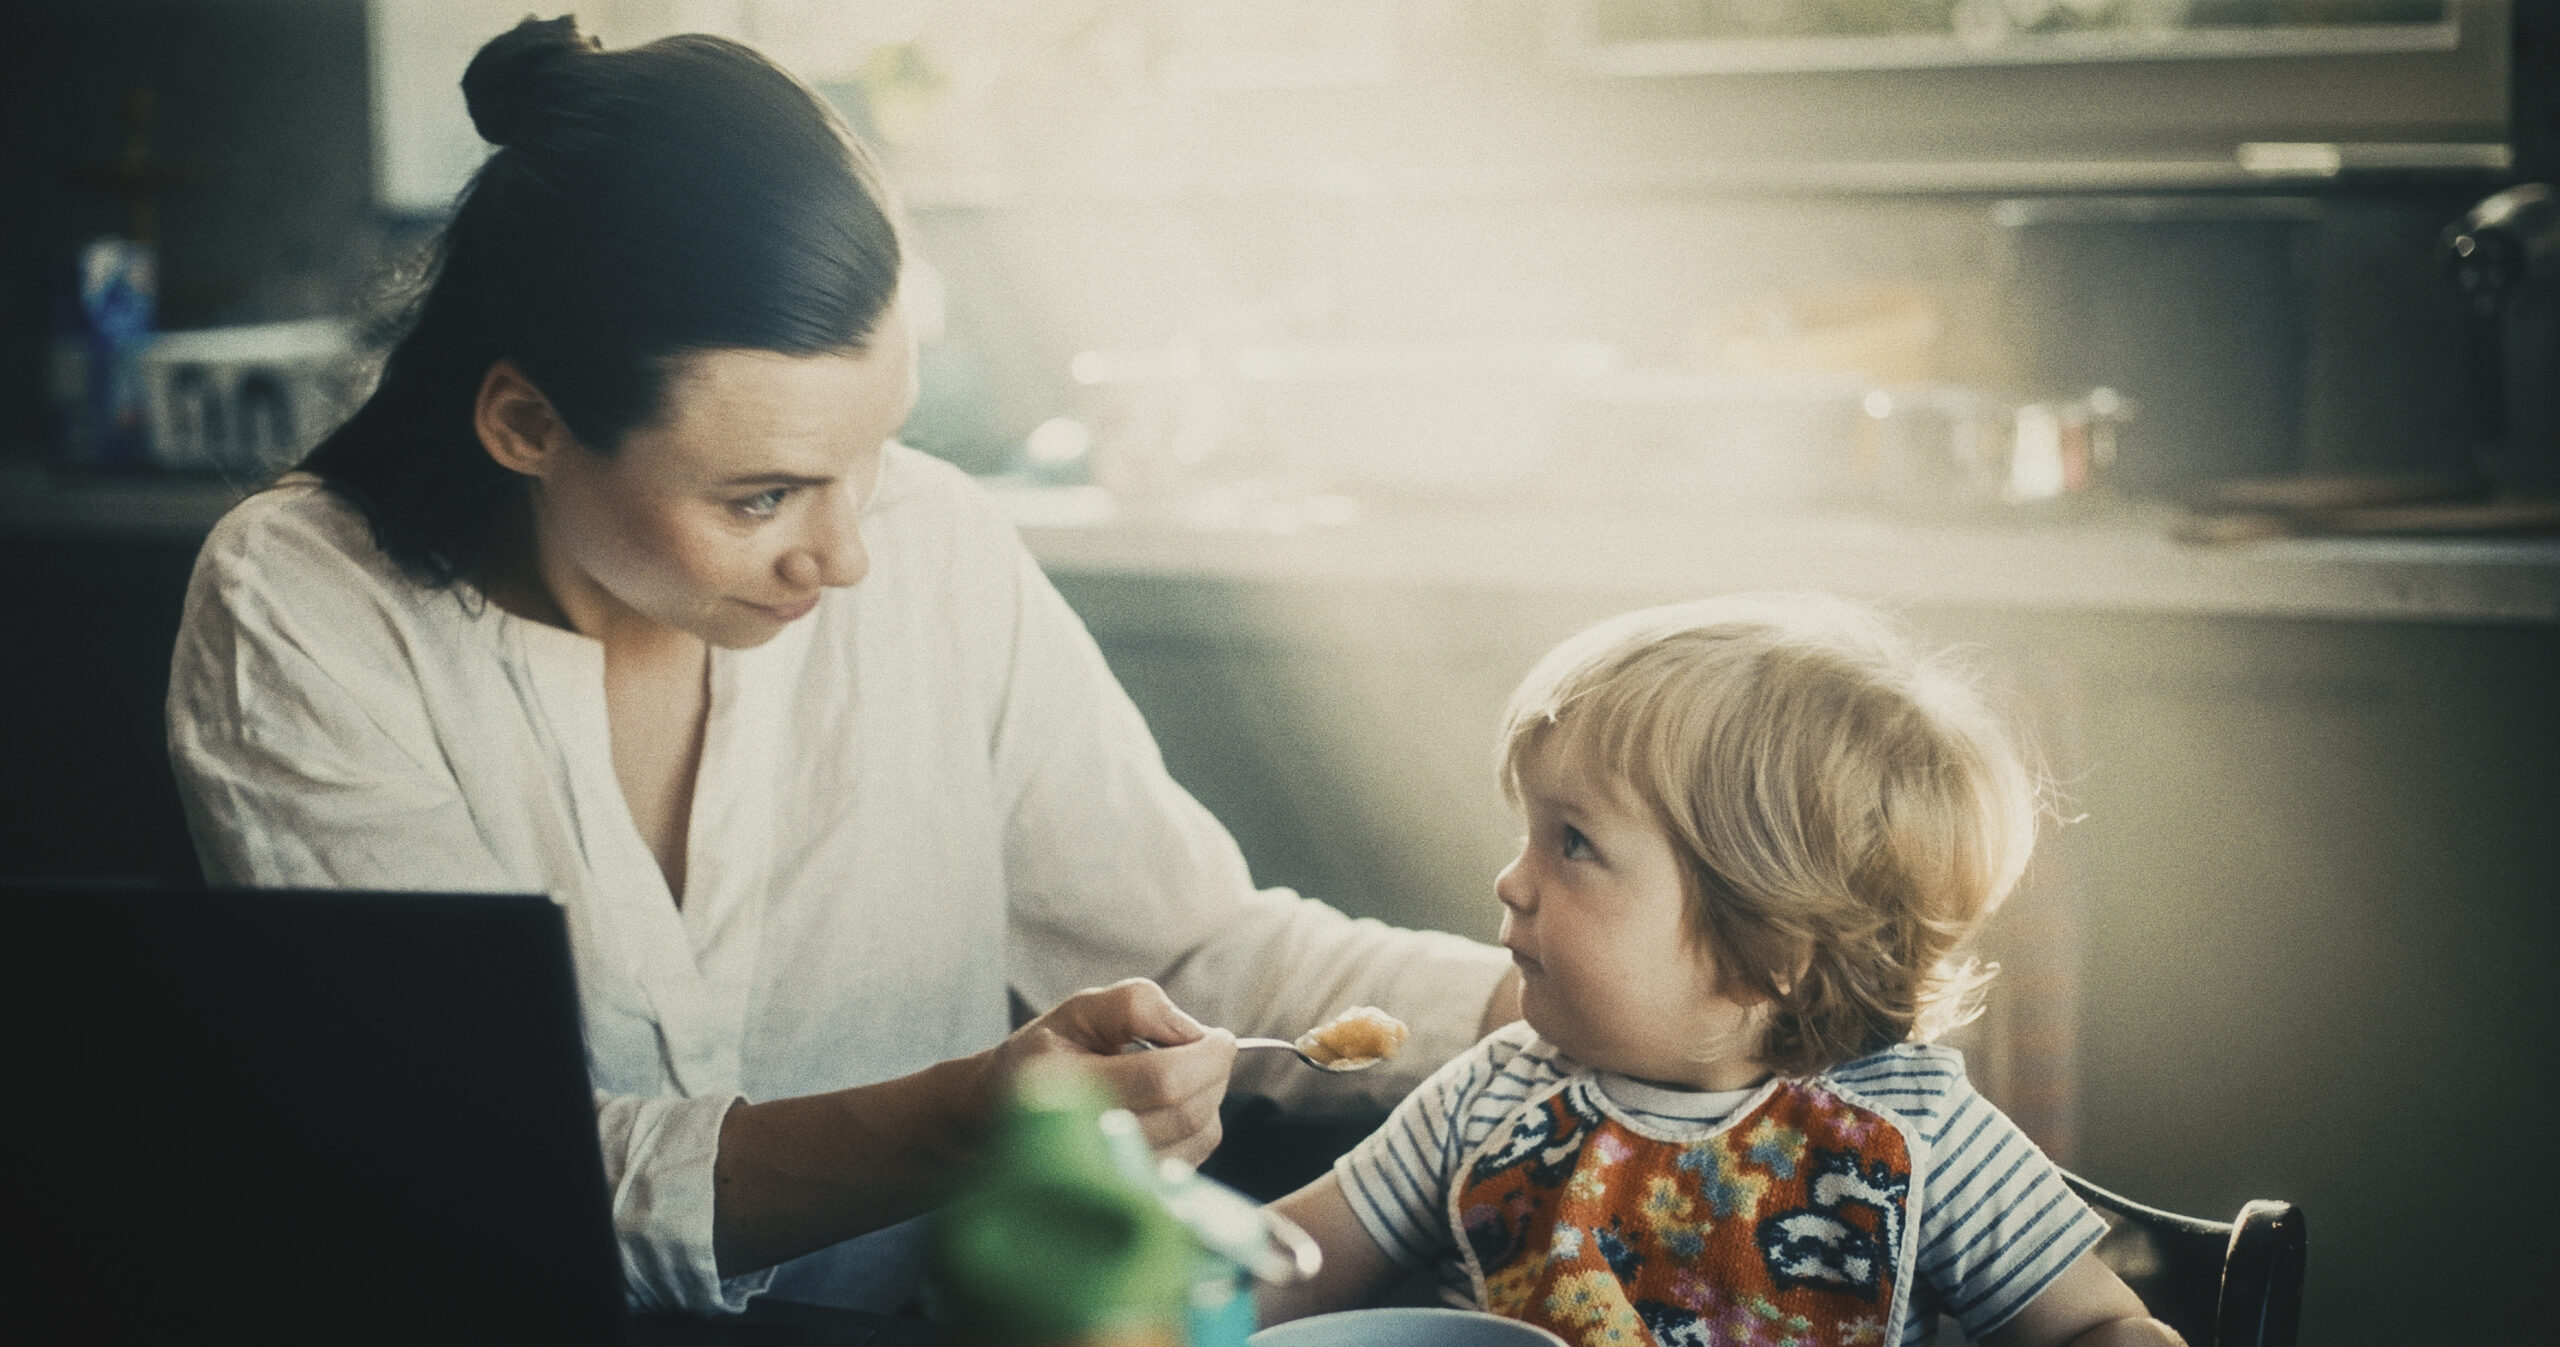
(1594, 913)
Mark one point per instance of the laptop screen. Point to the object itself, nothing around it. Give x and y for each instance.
(359, 1115)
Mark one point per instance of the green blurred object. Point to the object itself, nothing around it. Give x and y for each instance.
(1061, 1236)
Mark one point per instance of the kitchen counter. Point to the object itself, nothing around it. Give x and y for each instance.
(2120, 557)
(108, 506)
(2107, 557)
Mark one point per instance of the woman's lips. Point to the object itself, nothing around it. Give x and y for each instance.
(787, 612)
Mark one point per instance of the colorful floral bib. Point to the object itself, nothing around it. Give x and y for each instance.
(1789, 1227)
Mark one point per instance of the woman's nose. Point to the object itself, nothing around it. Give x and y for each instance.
(832, 554)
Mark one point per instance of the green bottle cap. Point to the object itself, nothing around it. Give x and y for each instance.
(1056, 1238)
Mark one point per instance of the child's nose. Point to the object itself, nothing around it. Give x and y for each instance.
(1512, 887)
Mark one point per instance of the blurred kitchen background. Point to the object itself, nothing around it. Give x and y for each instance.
(1338, 356)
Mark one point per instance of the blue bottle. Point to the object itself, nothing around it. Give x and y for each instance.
(100, 406)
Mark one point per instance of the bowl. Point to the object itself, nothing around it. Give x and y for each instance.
(1405, 1326)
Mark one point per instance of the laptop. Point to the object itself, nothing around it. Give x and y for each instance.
(308, 1115)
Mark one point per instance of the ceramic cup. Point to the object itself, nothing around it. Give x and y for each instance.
(1406, 1326)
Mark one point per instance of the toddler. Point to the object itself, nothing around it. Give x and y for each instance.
(1758, 829)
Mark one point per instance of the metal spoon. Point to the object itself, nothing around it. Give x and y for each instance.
(1337, 1067)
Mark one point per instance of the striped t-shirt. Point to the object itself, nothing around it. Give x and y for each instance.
(1997, 1223)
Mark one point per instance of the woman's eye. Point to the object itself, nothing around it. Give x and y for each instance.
(1576, 846)
(762, 504)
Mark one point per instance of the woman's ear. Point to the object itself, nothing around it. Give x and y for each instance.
(515, 421)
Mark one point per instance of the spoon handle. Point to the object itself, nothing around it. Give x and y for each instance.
(1356, 1064)
(1337, 1066)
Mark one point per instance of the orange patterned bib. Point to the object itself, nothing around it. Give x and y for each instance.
(1789, 1227)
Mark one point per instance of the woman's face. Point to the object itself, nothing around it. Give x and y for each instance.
(727, 516)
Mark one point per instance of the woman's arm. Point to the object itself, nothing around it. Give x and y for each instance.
(2086, 1306)
(796, 1175)
(1355, 1269)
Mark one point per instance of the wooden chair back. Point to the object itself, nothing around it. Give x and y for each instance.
(2235, 1283)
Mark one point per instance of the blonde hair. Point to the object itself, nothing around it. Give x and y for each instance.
(1848, 809)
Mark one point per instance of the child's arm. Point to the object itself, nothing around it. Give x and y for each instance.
(2086, 1306)
(1355, 1268)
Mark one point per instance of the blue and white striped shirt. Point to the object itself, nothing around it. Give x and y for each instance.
(1997, 1223)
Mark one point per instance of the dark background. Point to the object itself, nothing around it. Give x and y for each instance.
(2315, 890)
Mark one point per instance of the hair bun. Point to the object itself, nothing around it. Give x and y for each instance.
(499, 85)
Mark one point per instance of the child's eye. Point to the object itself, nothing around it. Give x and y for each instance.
(1576, 847)
(762, 504)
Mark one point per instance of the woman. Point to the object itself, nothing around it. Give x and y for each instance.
(616, 589)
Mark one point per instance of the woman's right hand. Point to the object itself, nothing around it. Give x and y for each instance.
(794, 1175)
(1174, 1091)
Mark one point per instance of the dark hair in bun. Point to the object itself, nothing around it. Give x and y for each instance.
(501, 85)
(683, 196)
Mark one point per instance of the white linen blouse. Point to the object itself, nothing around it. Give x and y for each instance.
(926, 795)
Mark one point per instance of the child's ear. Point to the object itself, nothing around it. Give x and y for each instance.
(516, 423)
(1794, 971)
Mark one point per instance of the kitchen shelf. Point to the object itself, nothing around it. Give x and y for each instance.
(2300, 169)
(1934, 51)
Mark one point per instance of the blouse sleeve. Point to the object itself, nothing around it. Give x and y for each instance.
(1116, 871)
(298, 732)
(306, 758)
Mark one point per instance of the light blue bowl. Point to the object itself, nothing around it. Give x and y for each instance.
(1406, 1326)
